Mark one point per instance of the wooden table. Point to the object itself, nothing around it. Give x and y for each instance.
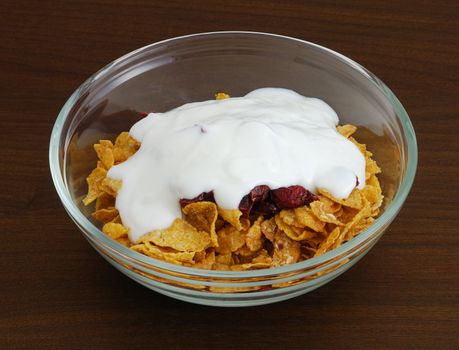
(56, 292)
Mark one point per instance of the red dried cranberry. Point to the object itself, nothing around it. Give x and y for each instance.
(245, 205)
(262, 200)
(203, 197)
(256, 195)
(266, 207)
(259, 193)
(292, 197)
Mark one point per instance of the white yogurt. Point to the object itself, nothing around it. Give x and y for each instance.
(271, 136)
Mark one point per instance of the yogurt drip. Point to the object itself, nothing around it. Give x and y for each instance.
(271, 136)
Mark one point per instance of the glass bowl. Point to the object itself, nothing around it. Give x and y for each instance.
(190, 68)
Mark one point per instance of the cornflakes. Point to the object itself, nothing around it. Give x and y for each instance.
(180, 236)
(328, 242)
(104, 150)
(209, 237)
(95, 180)
(168, 255)
(230, 239)
(114, 230)
(234, 217)
(286, 250)
(203, 216)
(221, 96)
(254, 237)
(105, 215)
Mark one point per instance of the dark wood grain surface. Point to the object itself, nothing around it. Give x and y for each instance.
(56, 292)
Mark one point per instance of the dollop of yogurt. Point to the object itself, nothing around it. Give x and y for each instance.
(271, 136)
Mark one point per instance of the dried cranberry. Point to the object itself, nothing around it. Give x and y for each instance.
(262, 200)
(292, 197)
(266, 207)
(245, 205)
(257, 194)
(203, 197)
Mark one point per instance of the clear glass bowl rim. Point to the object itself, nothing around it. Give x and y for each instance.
(96, 234)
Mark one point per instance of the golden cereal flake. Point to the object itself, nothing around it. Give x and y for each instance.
(180, 236)
(203, 216)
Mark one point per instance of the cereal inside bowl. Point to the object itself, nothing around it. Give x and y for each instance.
(253, 223)
(244, 183)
